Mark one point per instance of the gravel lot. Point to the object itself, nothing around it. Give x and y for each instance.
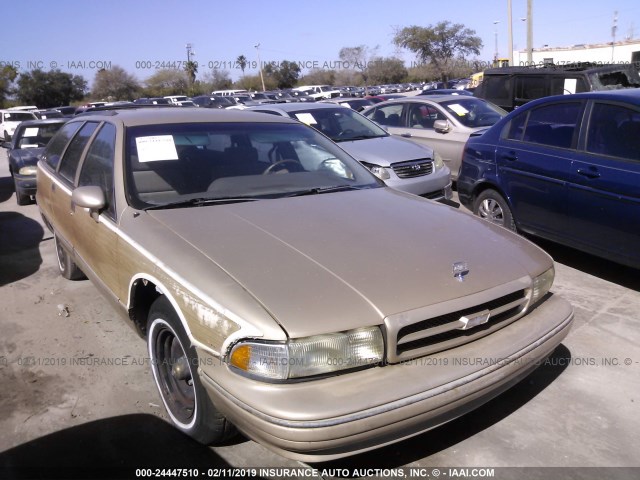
(76, 389)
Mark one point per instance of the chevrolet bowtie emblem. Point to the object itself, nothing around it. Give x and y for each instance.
(460, 270)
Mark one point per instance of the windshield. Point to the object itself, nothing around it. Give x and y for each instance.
(198, 163)
(614, 80)
(19, 116)
(339, 123)
(473, 112)
(36, 136)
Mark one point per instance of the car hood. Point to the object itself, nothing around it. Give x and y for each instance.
(338, 261)
(26, 156)
(384, 151)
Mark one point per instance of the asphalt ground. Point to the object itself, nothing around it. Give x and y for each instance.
(77, 398)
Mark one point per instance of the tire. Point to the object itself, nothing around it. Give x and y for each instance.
(68, 268)
(174, 364)
(492, 206)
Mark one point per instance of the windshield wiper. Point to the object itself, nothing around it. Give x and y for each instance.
(321, 190)
(199, 202)
(357, 137)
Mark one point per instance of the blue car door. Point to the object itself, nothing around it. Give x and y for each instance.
(534, 164)
(604, 188)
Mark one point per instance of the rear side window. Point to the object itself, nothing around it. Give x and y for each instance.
(389, 115)
(530, 87)
(73, 153)
(58, 143)
(553, 125)
(614, 130)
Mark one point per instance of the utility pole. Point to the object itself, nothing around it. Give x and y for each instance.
(495, 55)
(260, 66)
(614, 28)
(510, 33)
(530, 32)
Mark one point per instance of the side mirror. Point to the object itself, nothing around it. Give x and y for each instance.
(441, 126)
(90, 197)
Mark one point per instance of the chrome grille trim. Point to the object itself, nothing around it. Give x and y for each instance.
(413, 168)
(438, 327)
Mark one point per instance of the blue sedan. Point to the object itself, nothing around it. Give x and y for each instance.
(565, 168)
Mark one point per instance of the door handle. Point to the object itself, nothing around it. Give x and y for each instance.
(511, 156)
(591, 173)
(405, 135)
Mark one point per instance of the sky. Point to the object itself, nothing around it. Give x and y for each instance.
(82, 36)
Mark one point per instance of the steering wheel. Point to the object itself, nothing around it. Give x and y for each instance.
(271, 168)
(346, 132)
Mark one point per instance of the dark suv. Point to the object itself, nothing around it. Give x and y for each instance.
(566, 168)
(511, 87)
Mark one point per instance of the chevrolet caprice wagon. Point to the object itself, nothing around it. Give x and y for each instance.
(283, 290)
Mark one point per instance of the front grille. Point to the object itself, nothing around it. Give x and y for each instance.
(414, 168)
(444, 331)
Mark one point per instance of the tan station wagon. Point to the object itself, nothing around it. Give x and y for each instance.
(283, 289)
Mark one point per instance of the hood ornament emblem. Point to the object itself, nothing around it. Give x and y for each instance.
(460, 270)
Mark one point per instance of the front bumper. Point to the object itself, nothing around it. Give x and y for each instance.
(25, 184)
(342, 415)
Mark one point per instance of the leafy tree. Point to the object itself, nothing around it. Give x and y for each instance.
(50, 89)
(386, 70)
(217, 80)
(8, 74)
(439, 45)
(191, 68)
(357, 59)
(318, 76)
(166, 82)
(285, 75)
(115, 84)
(242, 63)
(254, 83)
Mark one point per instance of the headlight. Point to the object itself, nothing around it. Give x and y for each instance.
(437, 161)
(30, 170)
(378, 171)
(542, 285)
(304, 357)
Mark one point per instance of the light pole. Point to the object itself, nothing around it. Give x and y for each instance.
(529, 32)
(510, 32)
(495, 57)
(260, 66)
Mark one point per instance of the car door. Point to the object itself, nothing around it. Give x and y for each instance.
(604, 187)
(420, 127)
(388, 115)
(95, 238)
(534, 163)
(58, 197)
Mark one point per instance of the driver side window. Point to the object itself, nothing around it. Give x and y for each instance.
(97, 168)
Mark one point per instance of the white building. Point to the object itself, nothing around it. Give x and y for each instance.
(626, 51)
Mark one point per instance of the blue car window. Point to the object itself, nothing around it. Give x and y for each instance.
(553, 125)
(614, 130)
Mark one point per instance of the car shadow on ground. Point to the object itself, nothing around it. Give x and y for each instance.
(6, 189)
(598, 267)
(116, 447)
(20, 239)
(443, 437)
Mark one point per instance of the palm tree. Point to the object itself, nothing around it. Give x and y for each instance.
(242, 62)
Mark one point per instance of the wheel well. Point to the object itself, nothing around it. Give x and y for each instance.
(487, 186)
(143, 294)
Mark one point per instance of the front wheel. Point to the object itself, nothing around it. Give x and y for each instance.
(174, 362)
(68, 268)
(492, 206)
